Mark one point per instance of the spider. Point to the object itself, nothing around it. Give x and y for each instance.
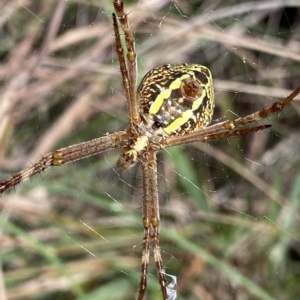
(173, 105)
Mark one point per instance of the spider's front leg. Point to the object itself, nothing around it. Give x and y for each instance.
(66, 155)
(231, 128)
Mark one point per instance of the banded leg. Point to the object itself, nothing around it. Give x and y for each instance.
(66, 155)
(206, 135)
(129, 73)
(231, 128)
(151, 221)
(122, 62)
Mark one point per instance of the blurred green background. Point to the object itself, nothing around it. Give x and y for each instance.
(230, 214)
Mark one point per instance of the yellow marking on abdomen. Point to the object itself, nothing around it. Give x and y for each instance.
(177, 82)
(185, 115)
(165, 94)
(158, 102)
(179, 122)
(198, 102)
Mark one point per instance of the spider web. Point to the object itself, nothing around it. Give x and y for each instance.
(229, 209)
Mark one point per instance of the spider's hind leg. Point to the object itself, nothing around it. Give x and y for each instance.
(151, 221)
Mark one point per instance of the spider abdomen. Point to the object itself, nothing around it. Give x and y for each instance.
(176, 99)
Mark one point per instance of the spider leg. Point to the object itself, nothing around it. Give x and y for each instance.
(151, 221)
(66, 155)
(235, 133)
(129, 70)
(206, 135)
(231, 128)
(121, 57)
(263, 113)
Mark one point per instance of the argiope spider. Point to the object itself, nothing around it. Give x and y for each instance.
(172, 106)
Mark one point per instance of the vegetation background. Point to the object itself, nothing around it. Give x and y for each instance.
(230, 218)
